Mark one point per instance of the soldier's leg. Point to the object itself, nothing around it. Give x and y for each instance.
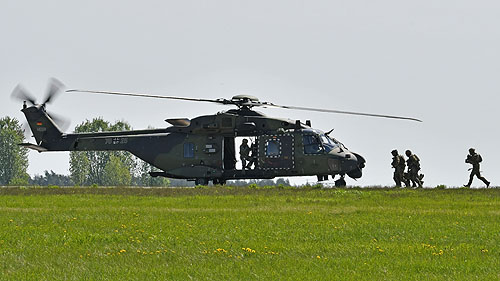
(471, 177)
(406, 179)
(397, 179)
(417, 178)
(243, 163)
(413, 178)
(251, 161)
(478, 175)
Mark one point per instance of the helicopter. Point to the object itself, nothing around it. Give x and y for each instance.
(203, 149)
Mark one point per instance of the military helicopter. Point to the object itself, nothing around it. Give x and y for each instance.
(203, 148)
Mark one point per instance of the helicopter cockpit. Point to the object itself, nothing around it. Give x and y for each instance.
(329, 143)
(316, 142)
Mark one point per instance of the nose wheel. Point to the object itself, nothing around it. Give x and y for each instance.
(201, 181)
(219, 181)
(340, 182)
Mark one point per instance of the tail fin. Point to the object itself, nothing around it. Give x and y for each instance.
(43, 127)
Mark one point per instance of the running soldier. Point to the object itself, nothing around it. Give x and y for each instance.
(413, 164)
(398, 163)
(474, 159)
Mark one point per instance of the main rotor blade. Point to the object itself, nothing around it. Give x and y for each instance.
(55, 87)
(221, 101)
(20, 93)
(342, 112)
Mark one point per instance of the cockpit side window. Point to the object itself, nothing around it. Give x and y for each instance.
(312, 144)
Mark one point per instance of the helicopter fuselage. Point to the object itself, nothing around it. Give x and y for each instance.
(204, 148)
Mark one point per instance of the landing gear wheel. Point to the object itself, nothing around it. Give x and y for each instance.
(201, 181)
(219, 181)
(322, 177)
(340, 182)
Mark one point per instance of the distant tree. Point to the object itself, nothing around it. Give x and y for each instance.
(51, 178)
(13, 158)
(144, 179)
(116, 172)
(91, 167)
(181, 183)
(282, 181)
(79, 167)
(260, 182)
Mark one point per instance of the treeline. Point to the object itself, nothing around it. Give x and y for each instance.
(53, 179)
(102, 168)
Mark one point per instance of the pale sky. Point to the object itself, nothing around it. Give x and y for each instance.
(434, 60)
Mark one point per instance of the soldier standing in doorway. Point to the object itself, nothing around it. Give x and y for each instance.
(474, 159)
(253, 157)
(398, 163)
(413, 164)
(244, 154)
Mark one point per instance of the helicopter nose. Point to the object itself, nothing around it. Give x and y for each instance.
(357, 172)
(342, 161)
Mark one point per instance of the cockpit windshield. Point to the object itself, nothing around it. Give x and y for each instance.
(328, 143)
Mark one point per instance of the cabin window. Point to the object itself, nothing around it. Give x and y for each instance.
(273, 148)
(312, 144)
(188, 150)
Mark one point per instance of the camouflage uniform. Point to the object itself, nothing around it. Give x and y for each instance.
(244, 154)
(398, 163)
(413, 164)
(474, 159)
(253, 158)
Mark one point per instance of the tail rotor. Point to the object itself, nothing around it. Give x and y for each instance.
(54, 88)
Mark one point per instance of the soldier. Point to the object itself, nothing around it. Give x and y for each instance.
(413, 164)
(253, 158)
(398, 163)
(244, 154)
(474, 159)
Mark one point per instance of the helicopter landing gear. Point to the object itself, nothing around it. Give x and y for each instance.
(219, 181)
(201, 181)
(322, 177)
(340, 182)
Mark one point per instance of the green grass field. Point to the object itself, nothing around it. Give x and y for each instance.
(249, 234)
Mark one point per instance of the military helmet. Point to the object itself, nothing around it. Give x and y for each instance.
(408, 152)
(245, 140)
(472, 150)
(394, 152)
